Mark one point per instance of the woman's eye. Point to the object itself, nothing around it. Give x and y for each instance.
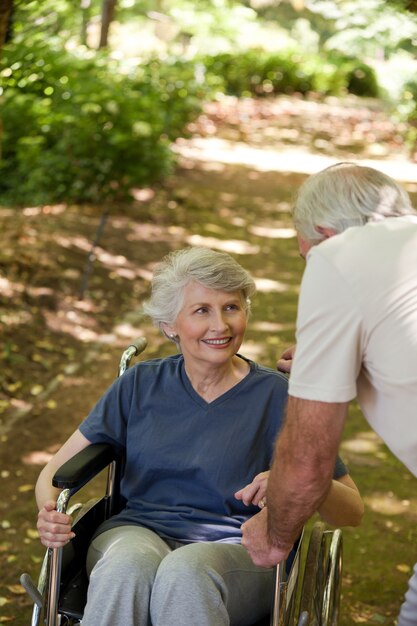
(202, 309)
(232, 307)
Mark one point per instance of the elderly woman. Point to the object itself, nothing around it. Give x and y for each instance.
(195, 427)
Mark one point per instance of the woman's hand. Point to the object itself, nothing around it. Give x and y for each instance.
(285, 362)
(54, 528)
(255, 492)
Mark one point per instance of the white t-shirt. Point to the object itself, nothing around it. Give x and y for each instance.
(357, 328)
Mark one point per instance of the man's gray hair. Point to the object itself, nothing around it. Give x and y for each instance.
(345, 195)
(215, 270)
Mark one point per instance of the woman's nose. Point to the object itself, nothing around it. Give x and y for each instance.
(219, 322)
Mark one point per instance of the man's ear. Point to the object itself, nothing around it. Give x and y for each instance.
(325, 231)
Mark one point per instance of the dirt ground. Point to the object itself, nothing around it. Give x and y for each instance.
(67, 311)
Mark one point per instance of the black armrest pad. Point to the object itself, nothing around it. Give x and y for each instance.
(83, 466)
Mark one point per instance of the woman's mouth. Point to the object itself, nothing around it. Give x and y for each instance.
(218, 342)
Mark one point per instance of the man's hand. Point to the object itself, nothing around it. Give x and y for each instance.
(255, 540)
(285, 362)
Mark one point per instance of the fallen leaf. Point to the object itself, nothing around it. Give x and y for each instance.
(16, 589)
(32, 533)
(24, 488)
(4, 601)
(4, 546)
(35, 559)
(45, 345)
(402, 567)
(36, 390)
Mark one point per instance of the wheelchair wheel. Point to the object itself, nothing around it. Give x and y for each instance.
(312, 590)
(333, 582)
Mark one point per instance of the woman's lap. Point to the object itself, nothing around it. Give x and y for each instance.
(200, 583)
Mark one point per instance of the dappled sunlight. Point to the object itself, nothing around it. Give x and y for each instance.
(41, 457)
(38, 457)
(273, 232)
(75, 323)
(20, 405)
(266, 159)
(252, 350)
(151, 232)
(129, 332)
(234, 246)
(389, 504)
(267, 285)
(16, 318)
(143, 195)
(117, 264)
(365, 449)
(364, 443)
(8, 288)
(270, 327)
(47, 209)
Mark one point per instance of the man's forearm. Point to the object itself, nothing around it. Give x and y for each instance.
(302, 470)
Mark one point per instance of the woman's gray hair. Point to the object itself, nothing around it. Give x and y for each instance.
(344, 195)
(215, 270)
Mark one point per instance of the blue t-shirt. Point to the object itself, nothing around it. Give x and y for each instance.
(185, 457)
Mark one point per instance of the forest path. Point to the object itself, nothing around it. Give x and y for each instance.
(232, 190)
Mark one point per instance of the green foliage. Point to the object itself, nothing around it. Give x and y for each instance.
(258, 73)
(77, 128)
(361, 80)
(408, 113)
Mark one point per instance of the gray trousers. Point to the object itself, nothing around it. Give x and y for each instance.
(139, 579)
(408, 613)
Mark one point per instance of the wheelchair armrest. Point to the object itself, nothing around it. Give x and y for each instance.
(84, 465)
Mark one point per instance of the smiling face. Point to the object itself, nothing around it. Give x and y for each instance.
(210, 325)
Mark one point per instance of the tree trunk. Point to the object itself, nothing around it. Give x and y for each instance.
(107, 14)
(6, 8)
(85, 18)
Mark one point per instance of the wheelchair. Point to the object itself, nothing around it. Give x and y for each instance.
(307, 587)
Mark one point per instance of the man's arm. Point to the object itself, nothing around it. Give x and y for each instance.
(302, 471)
(299, 480)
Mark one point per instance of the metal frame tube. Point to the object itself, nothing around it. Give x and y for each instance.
(55, 558)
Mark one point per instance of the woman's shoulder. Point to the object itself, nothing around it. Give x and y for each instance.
(267, 374)
(157, 366)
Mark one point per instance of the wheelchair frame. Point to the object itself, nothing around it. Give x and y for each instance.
(312, 599)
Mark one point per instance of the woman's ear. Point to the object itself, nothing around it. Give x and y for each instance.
(325, 232)
(169, 331)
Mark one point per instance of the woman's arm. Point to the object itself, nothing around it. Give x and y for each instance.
(55, 528)
(343, 505)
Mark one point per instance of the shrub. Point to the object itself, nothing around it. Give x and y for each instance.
(407, 111)
(79, 129)
(361, 80)
(258, 73)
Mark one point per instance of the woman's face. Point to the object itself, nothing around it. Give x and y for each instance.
(210, 325)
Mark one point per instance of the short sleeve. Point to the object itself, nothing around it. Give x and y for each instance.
(327, 358)
(340, 469)
(107, 422)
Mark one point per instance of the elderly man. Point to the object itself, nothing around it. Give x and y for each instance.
(356, 337)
